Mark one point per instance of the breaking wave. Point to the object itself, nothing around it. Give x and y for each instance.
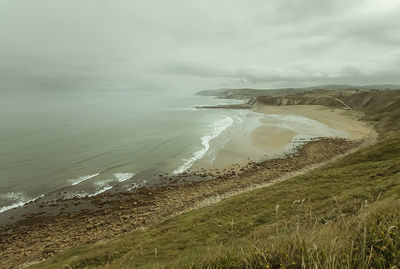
(217, 128)
(18, 198)
(82, 179)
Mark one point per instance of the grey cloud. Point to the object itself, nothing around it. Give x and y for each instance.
(320, 71)
(195, 44)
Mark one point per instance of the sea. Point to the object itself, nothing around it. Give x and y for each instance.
(65, 144)
(83, 143)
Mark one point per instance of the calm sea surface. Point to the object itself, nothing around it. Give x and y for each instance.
(82, 143)
(53, 140)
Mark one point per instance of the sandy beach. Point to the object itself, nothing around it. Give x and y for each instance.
(335, 118)
(267, 138)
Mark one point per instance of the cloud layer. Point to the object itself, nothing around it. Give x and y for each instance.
(198, 44)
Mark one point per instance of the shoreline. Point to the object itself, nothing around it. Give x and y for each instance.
(91, 219)
(335, 118)
(265, 137)
(256, 140)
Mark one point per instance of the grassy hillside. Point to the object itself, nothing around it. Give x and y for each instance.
(380, 107)
(345, 214)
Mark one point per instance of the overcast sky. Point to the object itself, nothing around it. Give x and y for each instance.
(187, 44)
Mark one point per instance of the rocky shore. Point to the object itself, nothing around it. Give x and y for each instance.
(58, 225)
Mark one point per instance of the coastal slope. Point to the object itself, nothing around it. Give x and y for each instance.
(343, 214)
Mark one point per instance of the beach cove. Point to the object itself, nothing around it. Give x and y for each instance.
(104, 216)
(273, 131)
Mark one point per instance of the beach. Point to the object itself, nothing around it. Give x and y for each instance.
(335, 118)
(48, 227)
(272, 131)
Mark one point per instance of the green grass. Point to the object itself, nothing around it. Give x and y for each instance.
(345, 214)
(368, 240)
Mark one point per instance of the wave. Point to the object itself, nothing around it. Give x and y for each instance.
(217, 128)
(81, 179)
(103, 183)
(83, 194)
(19, 197)
(103, 189)
(121, 177)
(137, 185)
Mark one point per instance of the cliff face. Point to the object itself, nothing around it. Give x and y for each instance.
(376, 101)
(248, 93)
(323, 90)
(296, 100)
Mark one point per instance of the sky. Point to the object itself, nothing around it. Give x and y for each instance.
(195, 45)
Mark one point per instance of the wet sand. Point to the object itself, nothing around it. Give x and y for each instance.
(272, 137)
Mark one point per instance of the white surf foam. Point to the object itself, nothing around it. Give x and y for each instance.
(81, 179)
(103, 183)
(217, 128)
(82, 194)
(20, 198)
(137, 185)
(121, 177)
(105, 188)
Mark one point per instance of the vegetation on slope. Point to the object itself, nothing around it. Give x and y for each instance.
(345, 214)
(342, 215)
(380, 107)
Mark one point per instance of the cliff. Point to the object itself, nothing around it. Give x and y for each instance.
(246, 93)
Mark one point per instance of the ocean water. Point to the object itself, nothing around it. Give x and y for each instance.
(63, 144)
(84, 143)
